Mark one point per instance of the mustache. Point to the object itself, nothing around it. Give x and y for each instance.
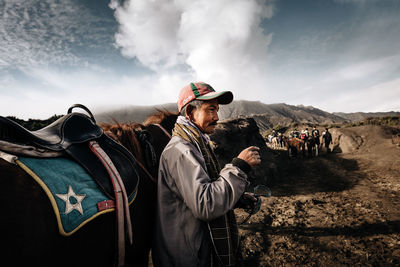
(213, 123)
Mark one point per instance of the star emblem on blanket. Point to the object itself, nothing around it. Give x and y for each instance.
(76, 205)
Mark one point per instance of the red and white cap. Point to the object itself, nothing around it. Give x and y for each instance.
(202, 91)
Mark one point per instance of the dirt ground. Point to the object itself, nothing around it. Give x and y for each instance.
(338, 209)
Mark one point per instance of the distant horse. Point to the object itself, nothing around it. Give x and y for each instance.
(274, 142)
(28, 226)
(310, 144)
(293, 145)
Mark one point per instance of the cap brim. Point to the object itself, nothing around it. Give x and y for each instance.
(224, 97)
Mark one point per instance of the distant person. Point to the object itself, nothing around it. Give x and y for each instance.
(295, 133)
(196, 225)
(304, 136)
(315, 134)
(327, 137)
(280, 139)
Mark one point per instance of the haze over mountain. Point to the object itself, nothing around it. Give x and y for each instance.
(358, 116)
(266, 115)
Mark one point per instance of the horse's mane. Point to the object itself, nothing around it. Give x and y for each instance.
(164, 118)
(124, 133)
(160, 117)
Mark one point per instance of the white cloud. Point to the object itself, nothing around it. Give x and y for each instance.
(41, 33)
(365, 69)
(58, 90)
(378, 98)
(221, 42)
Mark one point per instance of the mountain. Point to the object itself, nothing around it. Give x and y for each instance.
(132, 113)
(358, 116)
(267, 116)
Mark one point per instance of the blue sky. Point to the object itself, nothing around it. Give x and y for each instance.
(336, 55)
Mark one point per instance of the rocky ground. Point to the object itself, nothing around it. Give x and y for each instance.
(339, 209)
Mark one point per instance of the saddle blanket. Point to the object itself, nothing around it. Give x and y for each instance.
(74, 195)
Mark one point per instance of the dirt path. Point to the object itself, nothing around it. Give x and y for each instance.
(335, 210)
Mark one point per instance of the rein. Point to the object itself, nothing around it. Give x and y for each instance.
(152, 151)
(163, 129)
(259, 191)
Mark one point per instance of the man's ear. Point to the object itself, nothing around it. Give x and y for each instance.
(189, 112)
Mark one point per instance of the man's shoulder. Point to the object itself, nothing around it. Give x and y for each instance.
(178, 145)
(180, 150)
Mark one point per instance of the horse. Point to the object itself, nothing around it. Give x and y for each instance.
(293, 145)
(274, 142)
(310, 143)
(28, 226)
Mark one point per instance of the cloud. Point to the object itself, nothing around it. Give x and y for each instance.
(54, 91)
(356, 2)
(378, 98)
(364, 70)
(220, 42)
(46, 32)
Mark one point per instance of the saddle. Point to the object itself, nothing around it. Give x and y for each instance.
(78, 136)
(71, 134)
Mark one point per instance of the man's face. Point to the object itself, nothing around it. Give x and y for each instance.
(206, 116)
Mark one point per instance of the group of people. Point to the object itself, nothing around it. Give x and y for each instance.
(195, 224)
(304, 135)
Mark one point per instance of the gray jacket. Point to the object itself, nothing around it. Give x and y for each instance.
(187, 200)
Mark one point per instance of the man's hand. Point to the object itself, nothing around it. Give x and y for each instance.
(249, 202)
(251, 156)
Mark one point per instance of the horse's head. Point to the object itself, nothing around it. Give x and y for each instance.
(126, 135)
(145, 141)
(164, 118)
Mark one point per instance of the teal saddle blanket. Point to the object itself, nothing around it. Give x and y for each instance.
(75, 196)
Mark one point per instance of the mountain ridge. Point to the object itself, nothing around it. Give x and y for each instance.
(266, 115)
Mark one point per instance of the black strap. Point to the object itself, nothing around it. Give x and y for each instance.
(84, 108)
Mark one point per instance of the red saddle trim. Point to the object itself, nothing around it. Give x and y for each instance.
(106, 205)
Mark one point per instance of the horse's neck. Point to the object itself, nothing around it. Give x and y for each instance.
(163, 129)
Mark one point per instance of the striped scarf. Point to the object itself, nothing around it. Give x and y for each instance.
(223, 230)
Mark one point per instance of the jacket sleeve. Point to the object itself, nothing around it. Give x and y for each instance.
(206, 199)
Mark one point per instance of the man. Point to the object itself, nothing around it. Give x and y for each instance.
(195, 223)
(304, 137)
(315, 134)
(296, 133)
(327, 137)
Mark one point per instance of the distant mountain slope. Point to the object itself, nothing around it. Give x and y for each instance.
(266, 115)
(276, 113)
(358, 116)
(132, 113)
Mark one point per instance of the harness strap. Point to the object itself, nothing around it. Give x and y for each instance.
(146, 171)
(163, 129)
(122, 204)
(141, 165)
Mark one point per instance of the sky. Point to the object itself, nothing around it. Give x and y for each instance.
(335, 55)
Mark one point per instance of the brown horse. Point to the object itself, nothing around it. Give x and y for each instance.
(28, 226)
(293, 145)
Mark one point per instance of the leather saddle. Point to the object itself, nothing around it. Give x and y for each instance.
(71, 134)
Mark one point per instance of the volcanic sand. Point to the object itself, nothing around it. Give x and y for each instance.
(338, 209)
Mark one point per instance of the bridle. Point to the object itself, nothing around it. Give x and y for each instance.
(153, 155)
